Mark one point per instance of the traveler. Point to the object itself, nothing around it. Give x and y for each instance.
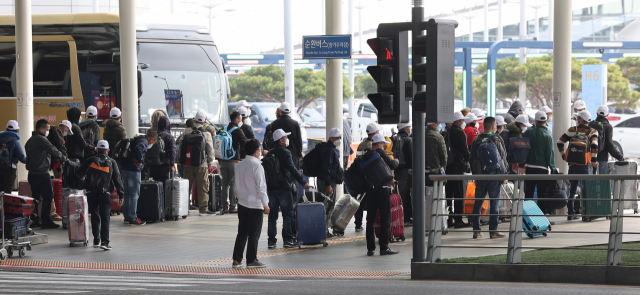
(605, 140)
(515, 110)
(243, 104)
(10, 153)
(155, 117)
(578, 106)
(246, 123)
(379, 199)
(547, 110)
(480, 115)
(435, 149)
(56, 138)
(541, 156)
(281, 197)
(76, 148)
(488, 148)
(114, 132)
(101, 176)
(188, 124)
(579, 159)
(267, 142)
(166, 168)
(346, 143)
(403, 151)
(289, 125)
(40, 153)
(227, 167)
(465, 111)
(457, 163)
(253, 203)
(131, 174)
(199, 172)
(471, 130)
(330, 171)
(516, 129)
(501, 124)
(90, 129)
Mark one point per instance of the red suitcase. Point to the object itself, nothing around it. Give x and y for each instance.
(24, 189)
(57, 194)
(396, 228)
(115, 202)
(18, 205)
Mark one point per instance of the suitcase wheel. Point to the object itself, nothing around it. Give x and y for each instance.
(300, 246)
(325, 244)
(70, 244)
(175, 218)
(401, 239)
(86, 242)
(544, 234)
(21, 253)
(3, 256)
(9, 252)
(162, 220)
(184, 217)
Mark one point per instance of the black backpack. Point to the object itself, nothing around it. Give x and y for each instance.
(376, 172)
(193, 148)
(156, 155)
(311, 161)
(98, 177)
(268, 143)
(447, 142)
(599, 126)
(273, 173)
(5, 156)
(122, 149)
(398, 145)
(353, 179)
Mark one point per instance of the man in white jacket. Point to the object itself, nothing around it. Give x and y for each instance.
(253, 203)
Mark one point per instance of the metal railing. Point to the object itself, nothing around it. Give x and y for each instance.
(514, 248)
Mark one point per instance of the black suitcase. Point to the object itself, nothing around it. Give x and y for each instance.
(151, 201)
(16, 226)
(215, 193)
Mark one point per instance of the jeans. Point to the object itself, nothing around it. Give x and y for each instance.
(42, 190)
(131, 181)
(491, 187)
(283, 200)
(7, 178)
(100, 209)
(603, 167)
(249, 229)
(379, 200)
(530, 185)
(575, 169)
(402, 176)
(228, 173)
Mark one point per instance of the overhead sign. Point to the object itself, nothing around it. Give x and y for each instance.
(594, 87)
(326, 47)
(173, 98)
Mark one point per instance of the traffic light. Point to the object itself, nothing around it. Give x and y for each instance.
(437, 73)
(390, 74)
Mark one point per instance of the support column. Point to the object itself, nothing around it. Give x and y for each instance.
(129, 66)
(24, 76)
(96, 8)
(486, 21)
(500, 35)
(562, 72)
(550, 20)
(289, 84)
(522, 85)
(351, 75)
(334, 76)
(467, 82)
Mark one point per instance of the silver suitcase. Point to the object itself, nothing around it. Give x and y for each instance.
(66, 192)
(428, 191)
(630, 187)
(506, 192)
(342, 212)
(176, 198)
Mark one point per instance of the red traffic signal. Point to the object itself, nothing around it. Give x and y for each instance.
(383, 48)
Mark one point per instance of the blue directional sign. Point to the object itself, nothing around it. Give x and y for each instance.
(594, 87)
(326, 47)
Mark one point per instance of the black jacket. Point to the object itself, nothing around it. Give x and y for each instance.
(287, 124)
(238, 138)
(76, 146)
(116, 179)
(406, 152)
(57, 139)
(248, 131)
(458, 142)
(39, 153)
(609, 148)
(113, 133)
(164, 133)
(329, 163)
(286, 164)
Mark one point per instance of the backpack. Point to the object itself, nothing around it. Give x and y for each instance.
(268, 142)
(312, 160)
(598, 126)
(89, 135)
(396, 149)
(578, 151)
(156, 155)
(223, 144)
(98, 177)
(353, 179)
(5, 156)
(193, 148)
(490, 162)
(519, 148)
(273, 173)
(122, 149)
(375, 171)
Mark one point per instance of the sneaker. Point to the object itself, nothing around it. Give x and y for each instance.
(236, 264)
(359, 229)
(497, 236)
(96, 243)
(137, 222)
(572, 217)
(370, 253)
(272, 245)
(388, 252)
(49, 224)
(289, 245)
(459, 225)
(477, 235)
(105, 246)
(256, 264)
(236, 211)
(208, 213)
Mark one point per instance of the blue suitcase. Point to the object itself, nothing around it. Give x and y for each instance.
(311, 223)
(534, 223)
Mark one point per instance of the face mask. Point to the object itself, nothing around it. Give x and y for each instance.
(247, 121)
(79, 119)
(149, 146)
(46, 133)
(239, 124)
(65, 133)
(463, 125)
(338, 143)
(286, 142)
(524, 128)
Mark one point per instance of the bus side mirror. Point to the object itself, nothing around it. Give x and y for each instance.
(139, 83)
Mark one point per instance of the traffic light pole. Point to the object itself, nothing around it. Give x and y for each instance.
(418, 126)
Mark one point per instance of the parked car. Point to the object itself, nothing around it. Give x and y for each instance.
(626, 136)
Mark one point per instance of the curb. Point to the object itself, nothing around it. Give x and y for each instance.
(527, 273)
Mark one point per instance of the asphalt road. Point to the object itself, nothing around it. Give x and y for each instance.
(101, 282)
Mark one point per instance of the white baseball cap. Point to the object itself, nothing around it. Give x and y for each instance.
(524, 119)
(457, 116)
(479, 113)
(285, 107)
(431, 123)
(68, 124)
(585, 115)
(92, 111)
(242, 103)
(500, 120)
(546, 109)
(12, 125)
(372, 128)
(403, 125)
(603, 110)
(201, 116)
(379, 138)
(541, 116)
(579, 104)
(115, 113)
(103, 144)
(244, 112)
(335, 132)
(470, 118)
(279, 134)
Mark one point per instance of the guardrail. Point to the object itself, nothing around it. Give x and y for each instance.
(514, 248)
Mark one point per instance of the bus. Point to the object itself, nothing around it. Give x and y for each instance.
(76, 62)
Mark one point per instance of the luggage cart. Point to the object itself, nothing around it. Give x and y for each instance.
(8, 247)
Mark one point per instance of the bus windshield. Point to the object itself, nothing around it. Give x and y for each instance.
(195, 70)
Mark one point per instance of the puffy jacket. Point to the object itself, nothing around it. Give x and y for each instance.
(514, 132)
(367, 143)
(138, 151)
(76, 146)
(515, 110)
(329, 163)
(609, 148)
(116, 179)
(211, 129)
(208, 139)
(57, 139)
(164, 133)
(12, 140)
(472, 133)
(435, 150)
(287, 124)
(248, 131)
(286, 164)
(39, 153)
(114, 132)
(475, 161)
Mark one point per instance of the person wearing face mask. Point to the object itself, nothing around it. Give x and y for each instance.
(471, 128)
(287, 124)
(56, 137)
(8, 167)
(578, 106)
(228, 167)
(199, 174)
(76, 148)
(516, 129)
(245, 124)
(39, 154)
(457, 164)
(330, 169)
(403, 151)
(114, 132)
(547, 110)
(541, 157)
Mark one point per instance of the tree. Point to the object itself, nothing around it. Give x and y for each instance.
(258, 84)
(630, 67)
(509, 71)
(539, 81)
(363, 85)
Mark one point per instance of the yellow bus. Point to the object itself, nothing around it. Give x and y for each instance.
(76, 61)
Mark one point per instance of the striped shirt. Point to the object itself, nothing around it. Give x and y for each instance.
(591, 133)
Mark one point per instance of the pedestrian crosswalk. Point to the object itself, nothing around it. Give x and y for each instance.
(50, 283)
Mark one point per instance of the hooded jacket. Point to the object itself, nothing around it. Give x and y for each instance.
(516, 109)
(93, 124)
(113, 133)
(12, 140)
(39, 153)
(57, 139)
(472, 133)
(76, 146)
(138, 151)
(164, 133)
(155, 117)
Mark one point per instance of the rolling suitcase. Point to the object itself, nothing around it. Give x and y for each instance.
(596, 189)
(342, 212)
(57, 195)
(629, 188)
(17, 226)
(151, 201)
(24, 189)
(534, 223)
(66, 192)
(427, 217)
(78, 226)
(215, 193)
(506, 194)
(311, 222)
(396, 227)
(19, 205)
(176, 198)
(116, 208)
